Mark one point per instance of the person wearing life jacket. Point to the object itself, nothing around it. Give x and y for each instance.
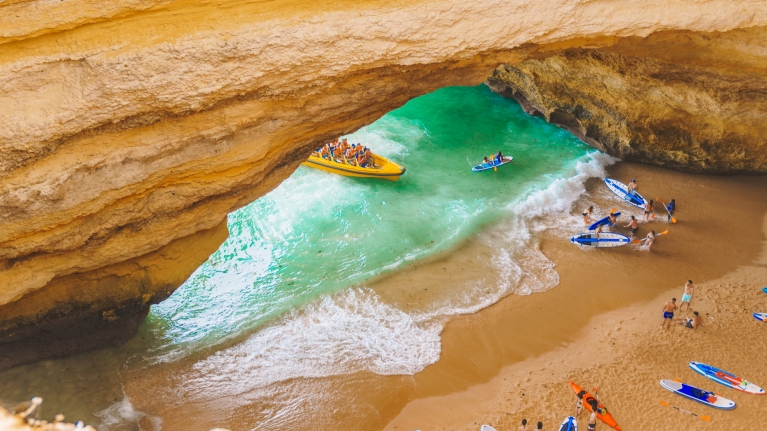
(671, 208)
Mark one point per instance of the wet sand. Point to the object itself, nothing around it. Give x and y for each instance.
(600, 326)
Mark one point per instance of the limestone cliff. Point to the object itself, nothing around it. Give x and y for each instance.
(689, 101)
(129, 129)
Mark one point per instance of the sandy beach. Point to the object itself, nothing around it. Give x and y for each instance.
(600, 326)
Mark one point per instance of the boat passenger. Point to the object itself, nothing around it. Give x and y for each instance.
(499, 157)
(371, 161)
(362, 160)
(485, 161)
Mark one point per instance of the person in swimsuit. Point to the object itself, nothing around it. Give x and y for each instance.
(634, 226)
(649, 209)
(592, 424)
(689, 289)
(649, 239)
(499, 157)
(633, 187)
(587, 214)
(599, 230)
(539, 427)
(668, 313)
(485, 161)
(693, 322)
(523, 427)
(612, 219)
(671, 207)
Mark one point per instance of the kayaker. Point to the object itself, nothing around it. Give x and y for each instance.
(668, 312)
(671, 208)
(689, 289)
(587, 214)
(499, 157)
(634, 226)
(649, 209)
(523, 427)
(649, 239)
(633, 187)
(486, 161)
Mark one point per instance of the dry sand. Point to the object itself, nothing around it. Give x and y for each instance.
(600, 326)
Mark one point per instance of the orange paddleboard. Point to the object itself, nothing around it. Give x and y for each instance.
(602, 412)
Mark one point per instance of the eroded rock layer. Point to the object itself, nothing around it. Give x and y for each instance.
(129, 131)
(695, 102)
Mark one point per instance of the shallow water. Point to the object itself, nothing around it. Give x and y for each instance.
(285, 297)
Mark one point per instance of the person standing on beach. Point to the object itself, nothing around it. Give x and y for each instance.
(671, 207)
(592, 423)
(539, 427)
(523, 427)
(689, 289)
(634, 226)
(650, 238)
(649, 209)
(668, 313)
(587, 214)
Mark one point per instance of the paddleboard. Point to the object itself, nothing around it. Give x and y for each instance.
(725, 378)
(602, 221)
(486, 428)
(621, 190)
(606, 239)
(491, 165)
(569, 424)
(764, 289)
(602, 412)
(761, 317)
(704, 397)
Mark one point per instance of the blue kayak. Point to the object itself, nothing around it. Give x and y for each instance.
(492, 165)
(621, 190)
(602, 221)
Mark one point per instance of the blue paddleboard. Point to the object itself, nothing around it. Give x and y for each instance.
(727, 379)
(621, 190)
(491, 165)
(602, 221)
(764, 289)
(761, 317)
(606, 239)
(699, 395)
(569, 424)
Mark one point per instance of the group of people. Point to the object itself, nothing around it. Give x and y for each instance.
(498, 158)
(524, 427)
(668, 310)
(344, 152)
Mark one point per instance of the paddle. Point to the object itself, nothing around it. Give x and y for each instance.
(673, 220)
(637, 241)
(705, 418)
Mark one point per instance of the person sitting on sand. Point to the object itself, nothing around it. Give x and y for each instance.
(693, 322)
(668, 313)
(649, 239)
(671, 207)
(523, 427)
(633, 187)
(587, 214)
(689, 289)
(540, 427)
(649, 209)
(634, 226)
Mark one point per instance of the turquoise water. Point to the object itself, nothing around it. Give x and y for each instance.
(319, 233)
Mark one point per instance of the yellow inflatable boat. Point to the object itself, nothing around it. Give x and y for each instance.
(383, 168)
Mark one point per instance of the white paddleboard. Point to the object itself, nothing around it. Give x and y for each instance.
(761, 316)
(569, 424)
(727, 379)
(704, 397)
(621, 190)
(486, 428)
(606, 239)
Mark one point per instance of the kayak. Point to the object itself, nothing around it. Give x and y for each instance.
(606, 239)
(492, 165)
(569, 424)
(486, 428)
(704, 397)
(621, 190)
(725, 378)
(602, 412)
(761, 317)
(384, 168)
(602, 221)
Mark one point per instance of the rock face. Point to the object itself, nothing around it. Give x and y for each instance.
(129, 130)
(689, 101)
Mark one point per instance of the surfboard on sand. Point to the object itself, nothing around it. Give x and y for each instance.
(569, 424)
(606, 239)
(602, 412)
(621, 190)
(491, 165)
(727, 379)
(764, 289)
(699, 395)
(761, 317)
(486, 428)
(602, 221)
